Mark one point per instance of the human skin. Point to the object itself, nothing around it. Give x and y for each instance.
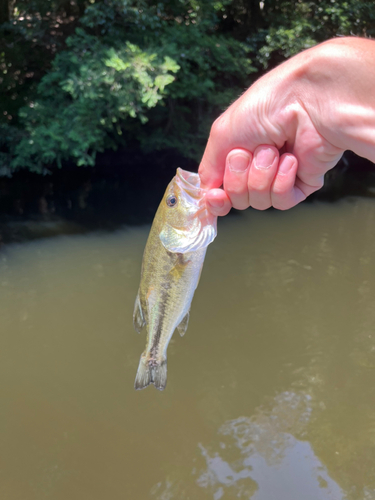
(274, 144)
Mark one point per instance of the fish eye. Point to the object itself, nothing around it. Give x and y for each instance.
(171, 200)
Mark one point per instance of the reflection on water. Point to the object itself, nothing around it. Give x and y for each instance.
(260, 458)
(277, 464)
(271, 393)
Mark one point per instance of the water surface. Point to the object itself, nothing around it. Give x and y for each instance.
(270, 394)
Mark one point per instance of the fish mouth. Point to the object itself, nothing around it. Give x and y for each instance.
(189, 182)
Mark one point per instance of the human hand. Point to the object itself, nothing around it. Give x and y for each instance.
(274, 144)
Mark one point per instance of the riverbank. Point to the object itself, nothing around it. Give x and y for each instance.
(124, 187)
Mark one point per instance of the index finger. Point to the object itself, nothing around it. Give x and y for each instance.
(212, 166)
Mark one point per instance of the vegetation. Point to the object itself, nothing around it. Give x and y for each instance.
(80, 76)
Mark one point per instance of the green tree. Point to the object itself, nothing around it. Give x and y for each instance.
(292, 26)
(132, 71)
(82, 76)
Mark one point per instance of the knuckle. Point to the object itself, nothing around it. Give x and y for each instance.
(260, 202)
(261, 188)
(279, 190)
(261, 206)
(240, 206)
(235, 190)
(279, 205)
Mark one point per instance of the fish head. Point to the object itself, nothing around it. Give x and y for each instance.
(187, 224)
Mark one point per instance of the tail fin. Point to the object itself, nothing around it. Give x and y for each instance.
(151, 373)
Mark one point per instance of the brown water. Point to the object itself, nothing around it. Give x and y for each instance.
(270, 395)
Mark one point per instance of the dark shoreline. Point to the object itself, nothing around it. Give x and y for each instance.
(124, 187)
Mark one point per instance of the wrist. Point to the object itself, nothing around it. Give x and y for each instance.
(338, 91)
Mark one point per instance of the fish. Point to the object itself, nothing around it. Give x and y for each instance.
(171, 268)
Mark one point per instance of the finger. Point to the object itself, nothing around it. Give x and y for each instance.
(307, 189)
(261, 175)
(212, 166)
(218, 202)
(236, 176)
(285, 193)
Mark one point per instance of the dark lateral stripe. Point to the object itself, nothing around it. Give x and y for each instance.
(156, 340)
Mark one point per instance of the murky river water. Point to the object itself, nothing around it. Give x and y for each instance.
(270, 395)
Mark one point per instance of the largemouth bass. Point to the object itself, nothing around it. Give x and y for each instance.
(171, 268)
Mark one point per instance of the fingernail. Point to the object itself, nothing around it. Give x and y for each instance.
(238, 162)
(216, 203)
(264, 158)
(286, 164)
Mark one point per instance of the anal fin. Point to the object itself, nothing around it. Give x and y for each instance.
(138, 317)
(182, 327)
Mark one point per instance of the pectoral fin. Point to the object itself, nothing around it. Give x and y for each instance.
(182, 327)
(179, 266)
(138, 316)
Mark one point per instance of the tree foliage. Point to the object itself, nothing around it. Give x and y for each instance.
(82, 76)
(302, 24)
